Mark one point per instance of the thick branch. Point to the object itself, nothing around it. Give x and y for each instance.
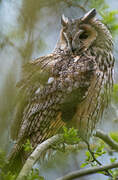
(36, 154)
(46, 144)
(88, 171)
(107, 139)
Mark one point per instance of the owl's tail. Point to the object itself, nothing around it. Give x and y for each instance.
(16, 159)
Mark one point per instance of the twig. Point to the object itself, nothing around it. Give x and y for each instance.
(92, 154)
(85, 3)
(98, 162)
(46, 144)
(107, 139)
(36, 154)
(87, 171)
(71, 3)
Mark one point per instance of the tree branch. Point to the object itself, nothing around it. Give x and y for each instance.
(36, 154)
(107, 139)
(46, 145)
(85, 3)
(107, 173)
(87, 171)
(71, 3)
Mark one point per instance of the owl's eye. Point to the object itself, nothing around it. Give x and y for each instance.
(84, 35)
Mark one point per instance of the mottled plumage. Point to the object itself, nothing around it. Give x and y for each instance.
(69, 87)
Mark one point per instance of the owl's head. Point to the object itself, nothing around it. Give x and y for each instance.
(80, 34)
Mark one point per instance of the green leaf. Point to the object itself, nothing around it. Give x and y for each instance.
(88, 155)
(99, 5)
(84, 164)
(108, 17)
(7, 176)
(115, 92)
(112, 160)
(114, 136)
(100, 151)
(27, 146)
(34, 175)
(70, 135)
(115, 174)
(2, 158)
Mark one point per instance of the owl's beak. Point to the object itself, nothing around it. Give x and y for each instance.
(89, 15)
(75, 40)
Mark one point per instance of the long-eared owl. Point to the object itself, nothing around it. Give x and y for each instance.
(70, 86)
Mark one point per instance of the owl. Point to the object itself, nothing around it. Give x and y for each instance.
(69, 87)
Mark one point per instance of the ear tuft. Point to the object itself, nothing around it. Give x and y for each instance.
(89, 15)
(64, 20)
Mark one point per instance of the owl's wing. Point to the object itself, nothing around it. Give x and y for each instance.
(41, 115)
(34, 76)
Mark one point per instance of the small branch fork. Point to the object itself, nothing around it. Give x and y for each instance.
(107, 139)
(83, 172)
(98, 162)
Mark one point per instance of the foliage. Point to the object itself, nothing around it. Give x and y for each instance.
(27, 146)
(3, 161)
(115, 93)
(115, 174)
(70, 135)
(98, 151)
(34, 175)
(93, 155)
(114, 136)
(7, 175)
(100, 5)
(108, 17)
